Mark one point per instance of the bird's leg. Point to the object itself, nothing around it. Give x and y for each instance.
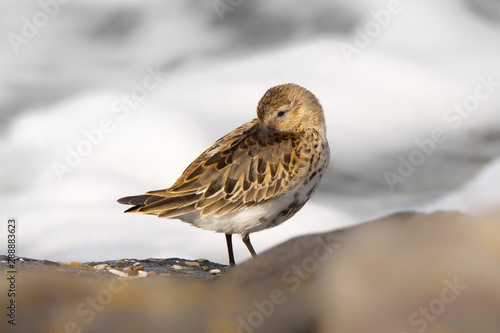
(246, 240)
(229, 242)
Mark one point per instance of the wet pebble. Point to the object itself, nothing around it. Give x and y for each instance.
(177, 266)
(101, 267)
(192, 263)
(119, 264)
(117, 272)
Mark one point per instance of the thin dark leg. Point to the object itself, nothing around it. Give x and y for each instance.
(229, 242)
(246, 240)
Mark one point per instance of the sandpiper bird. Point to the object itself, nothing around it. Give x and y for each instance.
(254, 178)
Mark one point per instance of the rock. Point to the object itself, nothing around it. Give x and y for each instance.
(119, 264)
(371, 277)
(130, 271)
(191, 263)
(101, 267)
(177, 267)
(117, 272)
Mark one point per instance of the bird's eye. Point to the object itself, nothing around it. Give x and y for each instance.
(281, 114)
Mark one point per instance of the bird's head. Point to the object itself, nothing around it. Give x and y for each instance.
(289, 108)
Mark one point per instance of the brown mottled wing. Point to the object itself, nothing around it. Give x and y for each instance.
(246, 167)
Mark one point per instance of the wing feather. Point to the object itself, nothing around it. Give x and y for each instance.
(244, 168)
(169, 203)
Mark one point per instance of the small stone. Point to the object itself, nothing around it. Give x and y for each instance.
(101, 267)
(192, 263)
(137, 264)
(152, 273)
(75, 264)
(50, 263)
(117, 272)
(142, 274)
(214, 271)
(177, 267)
(139, 268)
(119, 264)
(130, 271)
(21, 260)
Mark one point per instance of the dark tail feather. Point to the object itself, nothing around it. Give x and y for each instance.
(138, 201)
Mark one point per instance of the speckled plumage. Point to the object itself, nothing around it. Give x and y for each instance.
(255, 177)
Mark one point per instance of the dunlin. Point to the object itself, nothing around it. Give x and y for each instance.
(254, 178)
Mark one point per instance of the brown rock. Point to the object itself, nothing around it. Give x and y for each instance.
(373, 277)
(192, 263)
(119, 264)
(75, 264)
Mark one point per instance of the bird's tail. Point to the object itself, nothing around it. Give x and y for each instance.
(161, 205)
(138, 201)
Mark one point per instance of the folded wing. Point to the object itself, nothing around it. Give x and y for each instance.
(242, 169)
